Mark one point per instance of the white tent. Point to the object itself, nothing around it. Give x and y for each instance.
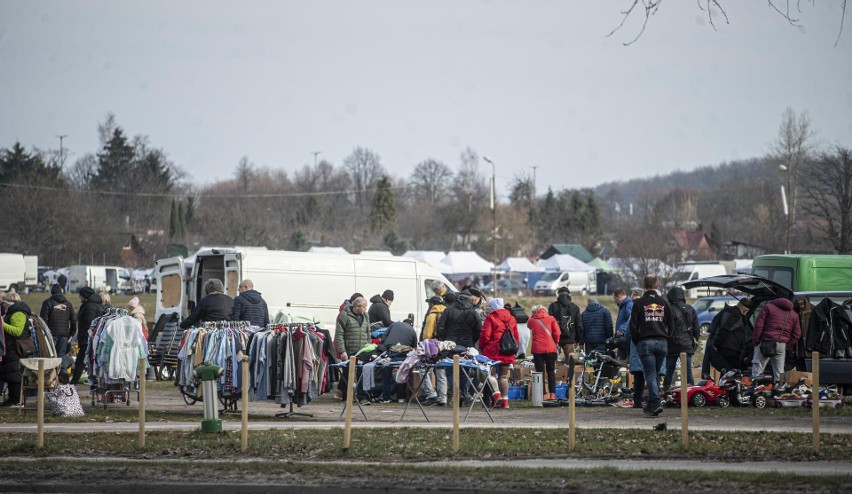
(519, 265)
(376, 253)
(564, 262)
(464, 263)
(431, 257)
(742, 266)
(328, 250)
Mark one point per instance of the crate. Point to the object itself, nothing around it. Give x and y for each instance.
(517, 393)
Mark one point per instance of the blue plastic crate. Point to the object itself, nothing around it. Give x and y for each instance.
(561, 391)
(517, 393)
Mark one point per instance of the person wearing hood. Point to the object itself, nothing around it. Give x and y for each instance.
(497, 322)
(136, 311)
(684, 336)
(460, 322)
(215, 306)
(90, 310)
(60, 317)
(379, 312)
(567, 314)
(250, 306)
(778, 322)
(597, 326)
(651, 324)
(545, 335)
(15, 325)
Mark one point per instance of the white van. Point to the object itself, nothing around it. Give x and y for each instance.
(31, 272)
(12, 272)
(689, 271)
(303, 285)
(111, 278)
(582, 282)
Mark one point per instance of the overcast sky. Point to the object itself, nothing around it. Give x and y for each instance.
(527, 83)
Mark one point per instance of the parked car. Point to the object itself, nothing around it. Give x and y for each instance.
(706, 309)
(505, 286)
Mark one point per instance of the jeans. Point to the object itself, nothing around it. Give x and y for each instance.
(438, 391)
(61, 343)
(547, 361)
(652, 354)
(390, 386)
(671, 363)
(758, 362)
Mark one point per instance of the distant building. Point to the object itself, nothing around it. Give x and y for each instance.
(743, 250)
(693, 246)
(575, 250)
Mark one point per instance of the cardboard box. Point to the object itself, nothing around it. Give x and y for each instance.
(792, 377)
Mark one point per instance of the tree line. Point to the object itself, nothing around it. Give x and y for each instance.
(127, 203)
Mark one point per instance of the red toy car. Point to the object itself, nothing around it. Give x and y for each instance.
(702, 393)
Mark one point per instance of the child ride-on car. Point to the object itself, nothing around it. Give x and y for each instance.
(702, 393)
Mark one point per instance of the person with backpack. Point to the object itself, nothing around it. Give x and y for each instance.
(16, 326)
(728, 339)
(684, 337)
(545, 336)
(494, 342)
(59, 315)
(567, 315)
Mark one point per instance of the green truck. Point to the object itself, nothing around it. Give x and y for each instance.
(806, 272)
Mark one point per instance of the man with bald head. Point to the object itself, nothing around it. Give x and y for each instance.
(250, 306)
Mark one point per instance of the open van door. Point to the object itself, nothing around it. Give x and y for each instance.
(171, 295)
(232, 275)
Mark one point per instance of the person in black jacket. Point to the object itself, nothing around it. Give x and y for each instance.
(567, 314)
(379, 312)
(250, 306)
(10, 367)
(684, 337)
(215, 306)
(90, 310)
(732, 349)
(459, 323)
(59, 315)
(651, 323)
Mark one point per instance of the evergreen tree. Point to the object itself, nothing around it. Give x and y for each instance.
(174, 221)
(19, 166)
(181, 235)
(298, 242)
(383, 213)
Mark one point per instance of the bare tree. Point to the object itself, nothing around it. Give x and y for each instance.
(365, 168)
(430, 180)
(471, 196)
(790, 150)
(827, 187)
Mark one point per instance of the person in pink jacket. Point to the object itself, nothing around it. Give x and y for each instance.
(545, 334)
(779, 323)
(496, 323)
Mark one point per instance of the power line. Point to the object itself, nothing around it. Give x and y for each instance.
(179, 194)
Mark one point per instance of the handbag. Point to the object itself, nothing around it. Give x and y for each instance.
(508, 343)
(768, 347)
(64, 401)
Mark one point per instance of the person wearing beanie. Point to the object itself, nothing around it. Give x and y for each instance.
(59, 315)
(684, 337)
(215, 306)
(597, 326)
(497, 322)
(136, 311)
(567, 314)
(90, 309)
(379, 312)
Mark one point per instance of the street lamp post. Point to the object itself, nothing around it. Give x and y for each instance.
(61, 149)
(788, 205)
(493, 221)
(315, 157)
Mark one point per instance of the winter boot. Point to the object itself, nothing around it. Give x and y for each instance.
(506, 403)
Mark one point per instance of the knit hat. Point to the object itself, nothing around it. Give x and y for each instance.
(55, 289)
(475, 292)
(387, 294)
(450, 297)
(562, 289)
(213, 285)
(496, 303)
(86, 292)
(133, 303)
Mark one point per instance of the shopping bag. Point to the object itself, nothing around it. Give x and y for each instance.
(64, 401)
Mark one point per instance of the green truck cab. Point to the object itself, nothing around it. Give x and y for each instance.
(806, 272)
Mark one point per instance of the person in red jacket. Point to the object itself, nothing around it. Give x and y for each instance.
(545, 334)
(779, 323)
(496, 323)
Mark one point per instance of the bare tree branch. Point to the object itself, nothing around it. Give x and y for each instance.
(842, 18)
(650, 7)
(793, 22)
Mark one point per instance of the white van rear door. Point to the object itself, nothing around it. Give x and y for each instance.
(171, 293)
(232, 274)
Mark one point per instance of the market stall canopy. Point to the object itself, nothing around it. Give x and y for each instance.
(431, 257)
(376, 253)
(328, 250)
(519, 265)
(464, 263)
(601, 265)
(564, 262)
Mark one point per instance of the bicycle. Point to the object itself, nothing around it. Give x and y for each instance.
(605, 376)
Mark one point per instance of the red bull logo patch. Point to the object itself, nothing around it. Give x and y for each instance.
(655, 312)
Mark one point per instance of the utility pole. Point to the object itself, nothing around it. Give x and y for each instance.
(493, 221)
(315, 157)
(533, 209)
(61, 150)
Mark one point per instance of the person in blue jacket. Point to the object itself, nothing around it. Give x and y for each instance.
(597, 326)
(622, 320)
